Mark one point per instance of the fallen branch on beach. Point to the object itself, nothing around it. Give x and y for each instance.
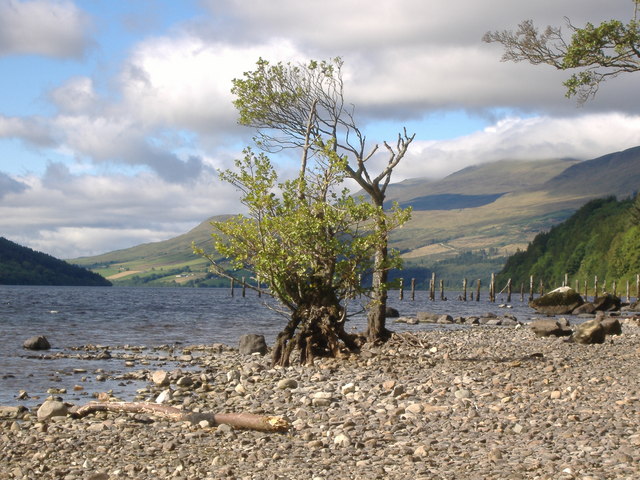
(246, 421)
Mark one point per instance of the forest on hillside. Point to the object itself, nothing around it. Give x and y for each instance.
(23, 266)
(601, 239)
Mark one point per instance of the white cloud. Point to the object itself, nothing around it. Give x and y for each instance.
(77, 96)
(55, 28)
(70, 215)
(31, 130)
(535, 138)
(184, 82)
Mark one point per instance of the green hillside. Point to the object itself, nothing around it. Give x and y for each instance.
(23, 266)
(602, 238)
(466, 224)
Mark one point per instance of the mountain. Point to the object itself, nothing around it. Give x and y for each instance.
(466, 224)
(602, 238)
(23, 266)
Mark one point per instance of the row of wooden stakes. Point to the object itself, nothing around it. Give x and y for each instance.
(509, 288)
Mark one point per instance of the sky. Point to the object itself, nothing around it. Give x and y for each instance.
(115, 115)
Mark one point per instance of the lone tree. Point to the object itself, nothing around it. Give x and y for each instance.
(308, 241)
(596, 52)
(303, 106)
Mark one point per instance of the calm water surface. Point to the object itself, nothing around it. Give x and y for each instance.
(118, 316)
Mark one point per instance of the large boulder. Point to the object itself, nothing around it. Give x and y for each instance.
(590, 332)
(37, 343)
(252, 343)
(547, 327)
(560, 301)
(607, 303)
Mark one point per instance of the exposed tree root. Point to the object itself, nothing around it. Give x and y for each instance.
(246, 421)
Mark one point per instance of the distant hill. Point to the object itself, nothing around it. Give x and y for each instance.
(602, 238)
(466, 224)
(23, 266)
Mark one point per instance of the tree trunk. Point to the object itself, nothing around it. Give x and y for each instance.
(377, 308)
(246, 421)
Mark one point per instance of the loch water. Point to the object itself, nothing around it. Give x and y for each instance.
(118, 316)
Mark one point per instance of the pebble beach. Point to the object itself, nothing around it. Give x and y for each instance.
(475, 403)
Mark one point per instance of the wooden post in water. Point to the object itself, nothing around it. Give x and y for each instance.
(232, 292)
(628, 293)
(464, 289)
(595, 287)
(492, 288)
(432, 287)
(509, 291)
(442, 289)
(401, 289)
(586, 290)
(522, 291)
(413, 289)
(244, 287)
(614, 287)
(531, 288)
(478, 291)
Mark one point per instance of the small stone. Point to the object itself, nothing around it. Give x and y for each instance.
(39, 342)
(164, 396)
(52, 408)
(287, 384)
(421, 451)
(348, 388)
(185, 381)
(462, 393)
(342, 440)
(160, 378)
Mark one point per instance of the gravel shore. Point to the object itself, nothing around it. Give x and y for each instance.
(476, 403)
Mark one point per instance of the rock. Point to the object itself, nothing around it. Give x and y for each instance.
(585, 308)
(39, 342)
(607, 303)
(509, 321)
(342, 440)
(392, 313)
(546, 327)
(160, 378)
(445, 319)
(589, 332)
(252, 343)
(426, 317)
(11, 411)
(164, 397)
(560, 301)
(185, 381)
(611, 326)
(287, 384)
(52, 408)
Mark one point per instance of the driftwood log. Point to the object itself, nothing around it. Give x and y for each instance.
(246, 421)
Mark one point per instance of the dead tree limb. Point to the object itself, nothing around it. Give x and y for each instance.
(246, 421)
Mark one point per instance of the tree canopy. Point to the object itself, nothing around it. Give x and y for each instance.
(596, 52)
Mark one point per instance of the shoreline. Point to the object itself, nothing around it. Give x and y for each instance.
(476, 403)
